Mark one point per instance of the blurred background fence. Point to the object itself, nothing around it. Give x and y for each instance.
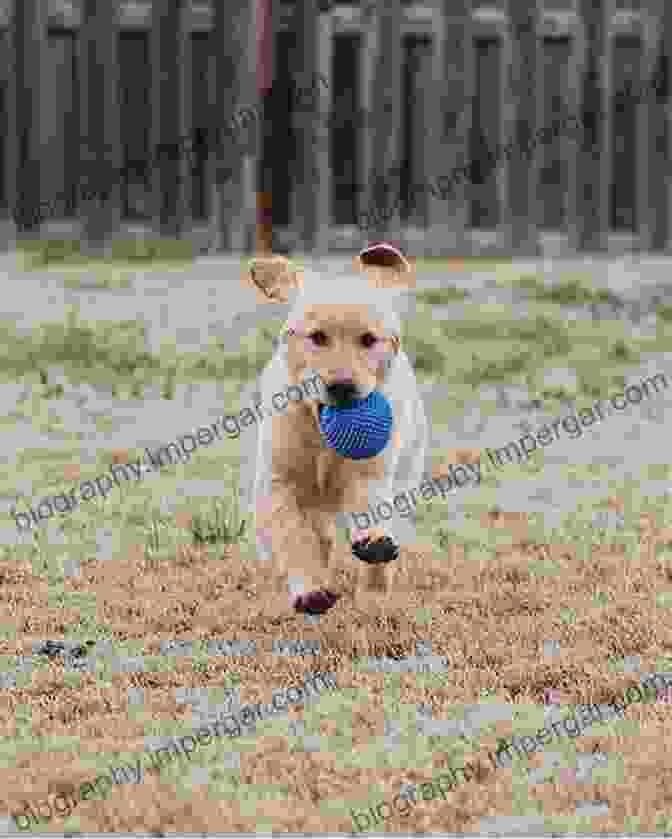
(334, 106)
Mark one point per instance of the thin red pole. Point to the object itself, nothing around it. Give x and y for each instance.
(264, 243)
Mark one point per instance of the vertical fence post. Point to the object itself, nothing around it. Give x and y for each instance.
(235, 121)
(168, 175)
(28, 46)
(384, 156)
(653, 93)
(101, 141)
(320, 93)
(367, 52)
(590, 165)
(522, 177)
(456, 103)
(304, 67)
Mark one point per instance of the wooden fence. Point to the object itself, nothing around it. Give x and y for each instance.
(359, 107)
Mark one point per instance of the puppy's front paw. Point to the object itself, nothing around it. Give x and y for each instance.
(376, 552)
(314, 602)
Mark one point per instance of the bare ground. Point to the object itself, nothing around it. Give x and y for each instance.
(489, 619)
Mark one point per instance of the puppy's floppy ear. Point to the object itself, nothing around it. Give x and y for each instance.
(385, 266)
(274, 277)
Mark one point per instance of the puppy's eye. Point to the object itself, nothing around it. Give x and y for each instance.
(368, 340)
(318, 338)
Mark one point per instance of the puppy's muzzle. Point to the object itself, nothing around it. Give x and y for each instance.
(340, 393)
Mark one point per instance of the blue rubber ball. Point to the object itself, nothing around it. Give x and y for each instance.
(359, 430)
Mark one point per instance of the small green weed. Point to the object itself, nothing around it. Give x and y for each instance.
(158, 524)
(568, 292)
(620, 351)
(424, 356)
(439, 296)
(223, 524)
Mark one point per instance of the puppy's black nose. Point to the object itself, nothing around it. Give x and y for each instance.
(342, 391)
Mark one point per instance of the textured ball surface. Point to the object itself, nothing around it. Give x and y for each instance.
(359, 430)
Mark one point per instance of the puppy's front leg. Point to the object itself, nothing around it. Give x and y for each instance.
(377, 552)
(374, 550)
(301, 540)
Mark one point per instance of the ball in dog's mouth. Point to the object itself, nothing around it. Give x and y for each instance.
(360, 430)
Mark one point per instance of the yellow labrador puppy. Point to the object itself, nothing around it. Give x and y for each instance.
(343, 336)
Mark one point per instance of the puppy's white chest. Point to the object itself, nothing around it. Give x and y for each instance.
(343, 484)
(327, 472)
